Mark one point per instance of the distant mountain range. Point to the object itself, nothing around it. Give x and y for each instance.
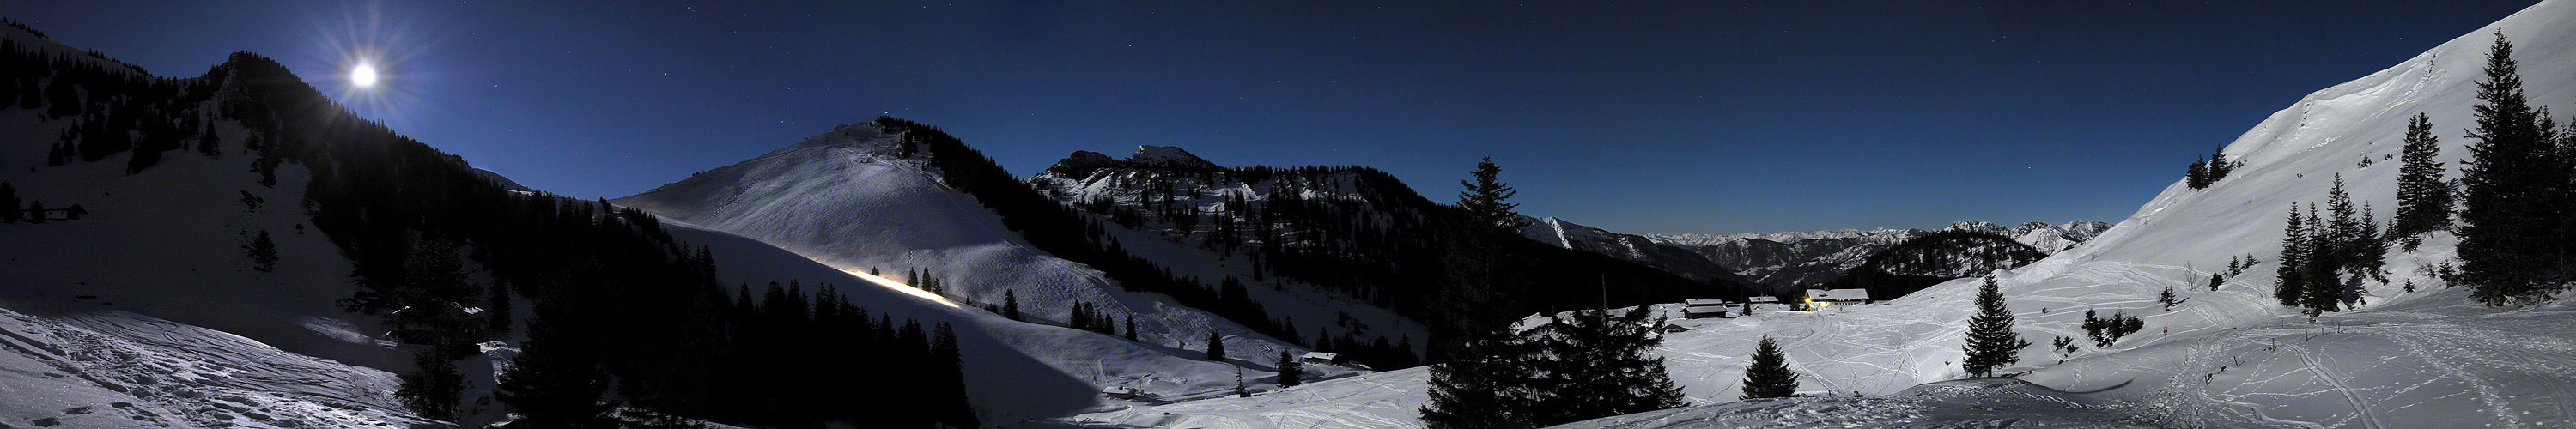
(1785, 261)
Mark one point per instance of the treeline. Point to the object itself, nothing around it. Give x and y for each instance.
(115, 108)
(2515, 201)
(1578, 366)
(1354, 230)
(1948, 254)
(1060, 231)
(2207, 171)
(2327, 254)
(647, 307)
(638, 307)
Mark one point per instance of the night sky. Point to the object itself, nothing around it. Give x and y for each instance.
(1686, 116)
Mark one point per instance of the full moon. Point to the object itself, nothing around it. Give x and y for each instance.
(364, 75)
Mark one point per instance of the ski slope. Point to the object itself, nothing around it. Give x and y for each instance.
(2223, 358)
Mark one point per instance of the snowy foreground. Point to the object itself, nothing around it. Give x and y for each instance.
(2228, 357)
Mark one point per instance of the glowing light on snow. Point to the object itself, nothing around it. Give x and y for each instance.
(364, 75)
(900, 287)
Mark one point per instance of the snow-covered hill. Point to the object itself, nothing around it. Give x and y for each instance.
(145, 312)
(2222, 358)
(851, 200)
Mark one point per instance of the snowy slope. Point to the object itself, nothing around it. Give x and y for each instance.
(847, 201)
(1186, 180)
(2224, 358)
(1015, 370)
(145, 312)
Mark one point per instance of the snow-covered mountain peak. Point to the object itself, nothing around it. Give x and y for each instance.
(866, 136)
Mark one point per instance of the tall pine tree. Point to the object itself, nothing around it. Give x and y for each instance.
(1291, 372)
(1769, 376)
(1215, 347)
(2423, 200)
(2509, 208)
(1992, 344)
(1011, 304)
(1468, 389)
(2287, 281)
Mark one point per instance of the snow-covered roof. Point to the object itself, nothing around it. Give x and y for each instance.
(1704, 301)
(1762, 298)
(1322, 355)
(1838, 294)
(1123, 390)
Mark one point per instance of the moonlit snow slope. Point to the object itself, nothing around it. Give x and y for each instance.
(145, 313)
(2224, 358)
(842, 204)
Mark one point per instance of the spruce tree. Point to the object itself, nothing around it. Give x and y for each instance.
(1215, 347)
(2218, 167)
(2508, 216)
(2215, 281)
(1769, 376)
(2286, 283)
(1011, 304)
(1991, 344)
(1478, 262)
(2423, 200)
(1131, 327)
(2320, 281)
(1471, 391)
(2197, 176)
(1590, 364)
(263, 253)
(1468, 390)
(2167, 298)
(555, 382)
(1291, 372)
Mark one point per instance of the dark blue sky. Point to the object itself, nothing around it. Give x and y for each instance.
(1686, 116)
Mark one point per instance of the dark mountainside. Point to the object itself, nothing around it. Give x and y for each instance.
(1934, 258)
(434, 241)
(1351, 229)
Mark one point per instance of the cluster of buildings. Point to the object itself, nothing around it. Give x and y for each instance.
(1719, 308)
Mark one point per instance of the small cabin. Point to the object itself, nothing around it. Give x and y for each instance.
(1762, 299)
(1321, 358)
(1120, 392)
(1708, 312)
(1838, 296)
(1705, 302)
